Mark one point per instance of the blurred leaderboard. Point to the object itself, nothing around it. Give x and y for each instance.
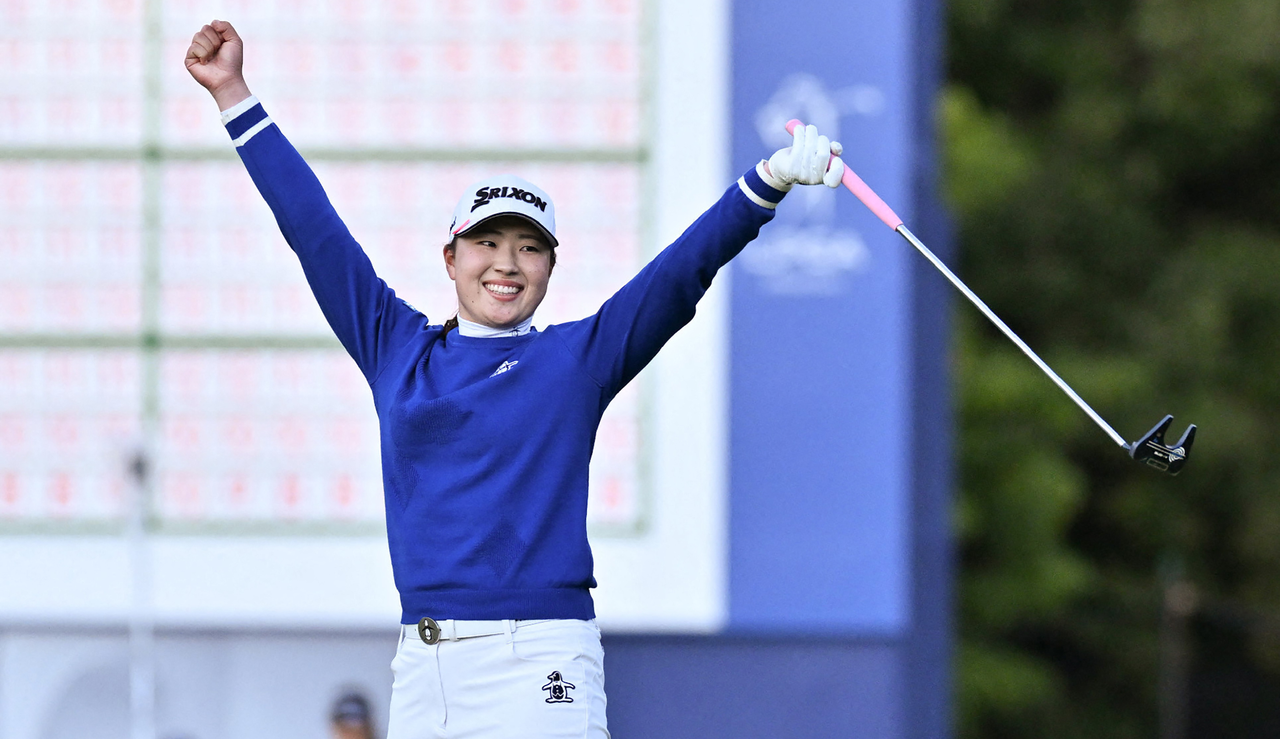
(147, 299)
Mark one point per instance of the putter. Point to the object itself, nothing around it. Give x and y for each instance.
(1151, 449)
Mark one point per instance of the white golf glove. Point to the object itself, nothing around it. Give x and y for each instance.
(808, 161)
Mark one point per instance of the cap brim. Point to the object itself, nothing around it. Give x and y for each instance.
(550, 237)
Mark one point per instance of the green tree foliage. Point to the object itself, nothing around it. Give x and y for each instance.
(1114, 170)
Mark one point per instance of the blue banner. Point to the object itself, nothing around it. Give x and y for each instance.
(821, 356)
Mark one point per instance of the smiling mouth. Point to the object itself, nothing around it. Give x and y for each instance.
(502, 291)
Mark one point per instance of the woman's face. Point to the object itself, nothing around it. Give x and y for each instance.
(500, 270)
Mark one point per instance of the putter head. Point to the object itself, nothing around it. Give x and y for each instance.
(1153, 452)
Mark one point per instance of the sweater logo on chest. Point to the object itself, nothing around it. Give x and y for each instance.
(504, 367)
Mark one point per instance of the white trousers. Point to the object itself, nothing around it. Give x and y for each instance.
(537, 679)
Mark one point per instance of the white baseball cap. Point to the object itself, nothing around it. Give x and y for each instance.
(504, 195)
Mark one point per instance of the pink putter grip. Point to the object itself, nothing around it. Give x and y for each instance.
(856, 186)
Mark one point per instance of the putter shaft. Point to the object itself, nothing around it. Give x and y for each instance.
(991, 316)
(1151, 448)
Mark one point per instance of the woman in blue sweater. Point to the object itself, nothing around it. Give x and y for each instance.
(487, 424)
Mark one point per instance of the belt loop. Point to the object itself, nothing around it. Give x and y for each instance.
(509, 626)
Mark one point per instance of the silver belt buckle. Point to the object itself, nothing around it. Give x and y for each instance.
(429, 630)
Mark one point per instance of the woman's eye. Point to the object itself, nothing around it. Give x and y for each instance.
(531, 248)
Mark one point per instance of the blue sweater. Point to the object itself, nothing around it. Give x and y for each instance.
(485, 473)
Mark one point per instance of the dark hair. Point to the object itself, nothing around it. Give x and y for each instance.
(352, 709)
(452, 323)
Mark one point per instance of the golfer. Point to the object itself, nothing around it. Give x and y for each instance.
(487, 423)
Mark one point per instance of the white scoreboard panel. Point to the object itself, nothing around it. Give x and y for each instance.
(70, 247)
(265, 435)
(147, 298)
(71, 73)
(559, 75)
(66, 420)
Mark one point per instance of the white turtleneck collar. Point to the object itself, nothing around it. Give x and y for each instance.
(481, 331)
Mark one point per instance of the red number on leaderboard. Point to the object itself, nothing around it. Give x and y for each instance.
(290, 494)
(238, 493)
(344, 494)
(10, 492)
(61, 490)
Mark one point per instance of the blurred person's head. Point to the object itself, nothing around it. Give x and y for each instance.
(350, 717)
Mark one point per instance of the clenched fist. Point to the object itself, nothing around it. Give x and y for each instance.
(215, 59)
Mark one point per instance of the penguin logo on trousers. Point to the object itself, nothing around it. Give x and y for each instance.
(558, 689)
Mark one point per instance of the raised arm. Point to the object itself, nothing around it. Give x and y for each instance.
(629, 329)
(368, 318)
